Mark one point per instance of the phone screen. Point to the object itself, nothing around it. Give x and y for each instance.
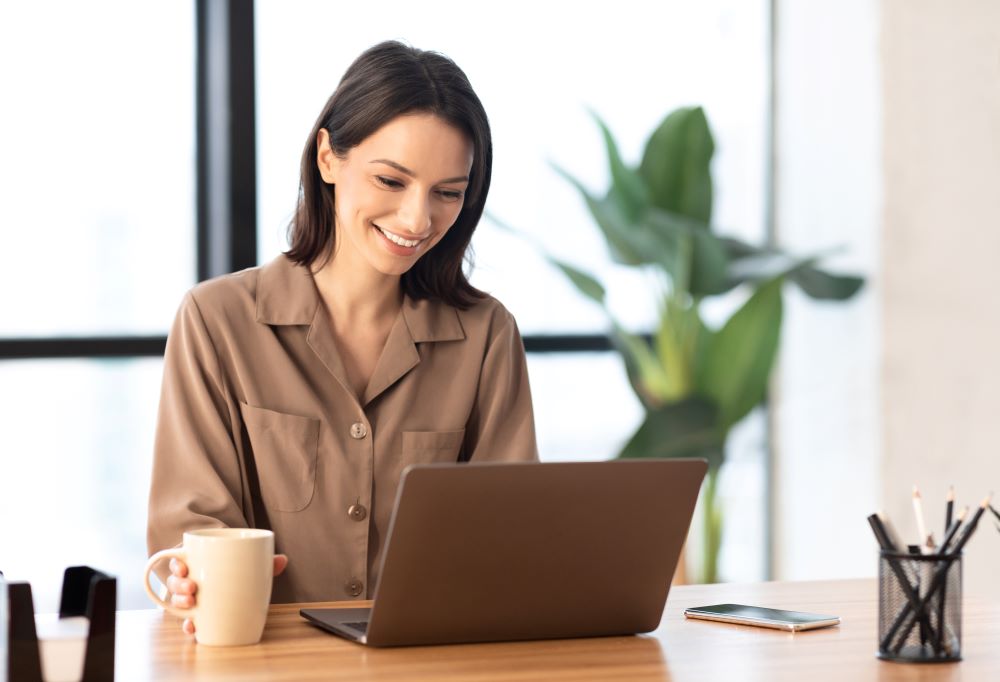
(757, 615)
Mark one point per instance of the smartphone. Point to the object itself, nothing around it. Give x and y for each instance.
(793, 621)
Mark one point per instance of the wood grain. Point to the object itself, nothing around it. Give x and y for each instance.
(150, 645)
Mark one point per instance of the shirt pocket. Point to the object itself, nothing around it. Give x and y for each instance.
(285, 448)
(432, 446)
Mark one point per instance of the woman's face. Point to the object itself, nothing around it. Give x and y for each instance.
(398, 192)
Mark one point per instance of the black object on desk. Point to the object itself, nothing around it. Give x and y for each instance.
(85, 592)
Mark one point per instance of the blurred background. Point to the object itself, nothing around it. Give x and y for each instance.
(145, 146)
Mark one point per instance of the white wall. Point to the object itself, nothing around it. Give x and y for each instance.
(828, 192)
(888, 141)
(941, 322)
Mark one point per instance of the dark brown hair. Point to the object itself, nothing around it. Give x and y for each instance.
(386, 81)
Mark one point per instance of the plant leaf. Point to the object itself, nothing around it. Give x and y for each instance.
(671, 350)
(684, 429)
(627, 189)
(587, 285)
(634, 373)
(676, 165)
(678, 339)
(649, 378)
(735, 366)
(754, 264)
(627, 245)
(701, 267)
(765, 265)
(823, 285)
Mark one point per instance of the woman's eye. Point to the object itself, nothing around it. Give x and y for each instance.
(450, 195)
(388, 182)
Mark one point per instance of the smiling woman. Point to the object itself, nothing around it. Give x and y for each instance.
(295, 393)
(402, 213)
(413, 126)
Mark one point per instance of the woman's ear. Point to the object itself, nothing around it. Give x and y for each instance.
(327, 162)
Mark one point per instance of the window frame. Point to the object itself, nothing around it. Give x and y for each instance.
(226, 190)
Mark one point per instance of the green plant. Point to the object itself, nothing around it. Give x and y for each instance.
(695, 382)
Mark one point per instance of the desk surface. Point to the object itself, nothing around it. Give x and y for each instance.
(151, 646)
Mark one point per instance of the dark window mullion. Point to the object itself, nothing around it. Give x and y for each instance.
(82, 347)
(146, 346)
(226, 137)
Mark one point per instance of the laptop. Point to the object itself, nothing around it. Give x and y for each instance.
(517, 551)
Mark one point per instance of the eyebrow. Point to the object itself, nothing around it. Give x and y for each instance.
(406, 171)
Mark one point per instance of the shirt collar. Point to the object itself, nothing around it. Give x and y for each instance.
(287, 295)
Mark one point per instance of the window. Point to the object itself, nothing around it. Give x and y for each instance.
(98, 200)
(97, 166)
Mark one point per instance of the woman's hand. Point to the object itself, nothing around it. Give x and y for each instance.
(182, 589)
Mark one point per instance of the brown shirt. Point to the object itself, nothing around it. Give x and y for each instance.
(258, 425)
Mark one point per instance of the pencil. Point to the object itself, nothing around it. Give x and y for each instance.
(895, 542)
(912, 596)
(949, 535)
(949, 508)
(918, 512)
(953, 529)
(880, 535)
(970, 527)
(936, 583)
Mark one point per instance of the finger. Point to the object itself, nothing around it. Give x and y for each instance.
(280, 563)
(178, 568)
(181, 585)
(182, 601)
(188, 626)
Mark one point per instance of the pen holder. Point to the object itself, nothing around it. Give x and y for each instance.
(920, 607)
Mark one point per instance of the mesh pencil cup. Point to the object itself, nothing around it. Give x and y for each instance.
(920, 607)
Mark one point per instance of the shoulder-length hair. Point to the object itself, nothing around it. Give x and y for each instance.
(386, 81)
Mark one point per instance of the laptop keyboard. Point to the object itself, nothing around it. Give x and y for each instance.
(362, 625)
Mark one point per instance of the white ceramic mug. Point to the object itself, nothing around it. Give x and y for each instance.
(233, 569)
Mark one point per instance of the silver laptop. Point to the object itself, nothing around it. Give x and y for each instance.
(512, 551)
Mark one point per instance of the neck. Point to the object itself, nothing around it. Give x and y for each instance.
(357, 295)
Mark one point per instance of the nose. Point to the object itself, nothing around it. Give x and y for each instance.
(415, 213)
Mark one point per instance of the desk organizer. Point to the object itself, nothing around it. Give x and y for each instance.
(85, 592)
(920, 607)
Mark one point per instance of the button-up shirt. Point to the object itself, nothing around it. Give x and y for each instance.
(259, 427)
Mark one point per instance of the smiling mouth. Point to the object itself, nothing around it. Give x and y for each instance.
(398, 240)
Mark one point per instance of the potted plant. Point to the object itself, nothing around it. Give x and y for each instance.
(695, 382)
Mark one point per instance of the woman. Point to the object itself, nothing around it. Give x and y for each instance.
(295, 393)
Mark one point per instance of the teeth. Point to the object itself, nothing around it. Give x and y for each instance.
(397, 239)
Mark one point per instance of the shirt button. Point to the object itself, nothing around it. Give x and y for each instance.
(358, 431)
(354, 587)
(357, 512)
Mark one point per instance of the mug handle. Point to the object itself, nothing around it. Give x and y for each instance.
(173, 553)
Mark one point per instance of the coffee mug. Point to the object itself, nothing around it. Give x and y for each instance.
(234, 569)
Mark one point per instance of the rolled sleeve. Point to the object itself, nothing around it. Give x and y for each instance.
(196, 478)
(502, 425)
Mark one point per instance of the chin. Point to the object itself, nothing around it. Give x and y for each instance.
(394, 269)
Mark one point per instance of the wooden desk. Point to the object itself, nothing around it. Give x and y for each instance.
(151, 646)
